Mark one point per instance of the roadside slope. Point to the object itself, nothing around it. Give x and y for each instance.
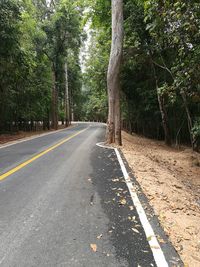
(171, 180)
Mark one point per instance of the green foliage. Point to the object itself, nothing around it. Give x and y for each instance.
(174, 26)
(96, 105)
(161, 60)
(34, 37)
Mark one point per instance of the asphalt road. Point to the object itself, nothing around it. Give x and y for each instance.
(59, 203)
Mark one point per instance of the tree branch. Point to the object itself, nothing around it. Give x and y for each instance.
(164, 67)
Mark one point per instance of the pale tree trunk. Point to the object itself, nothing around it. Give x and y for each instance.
(54, 101)
(164, 117)
(163, 112)
(72, 108)
(113, 75)
(66, 102)
(189, 119)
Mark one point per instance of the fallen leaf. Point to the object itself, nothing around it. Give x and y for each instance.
(120, 189)
(93, 247)
(99, 236)
(149, 238)
(133, 218)
(161, 241)
(135, 230)
(122, 201)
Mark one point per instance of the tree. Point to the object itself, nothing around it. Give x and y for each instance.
(160, 96)
(113, 76)
(63, 33)
(35, 39)
(176, 25)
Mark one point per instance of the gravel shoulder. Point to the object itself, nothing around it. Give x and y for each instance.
(170, 178)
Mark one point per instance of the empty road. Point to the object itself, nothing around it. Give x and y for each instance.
(64, 202)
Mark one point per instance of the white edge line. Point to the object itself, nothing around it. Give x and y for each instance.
(153, 242)
(25, 139)
(102, 144)
(151, 237)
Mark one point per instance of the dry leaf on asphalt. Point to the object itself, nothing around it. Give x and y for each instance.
(135, 230)
(93, 247)
(120, 189)
(115, 180)
(122, 201)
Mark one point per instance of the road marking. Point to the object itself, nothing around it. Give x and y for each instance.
(151, 237)
(153, 242)
(22, 165)
(25, 139)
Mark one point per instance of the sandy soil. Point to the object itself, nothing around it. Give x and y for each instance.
(170, 179)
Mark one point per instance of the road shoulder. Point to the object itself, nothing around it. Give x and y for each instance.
(169, 179)
(118, 205)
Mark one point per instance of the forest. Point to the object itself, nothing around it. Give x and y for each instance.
(41, 81)
(39, 63)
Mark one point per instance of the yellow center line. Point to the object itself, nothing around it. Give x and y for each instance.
(22, 165)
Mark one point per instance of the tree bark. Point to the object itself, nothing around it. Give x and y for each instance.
(54, 101)
(189, 119)
(164, 119)
(163, 112)
(72, 108)
(66, 100)
(113, 75)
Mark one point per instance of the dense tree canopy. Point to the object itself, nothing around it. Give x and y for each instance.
(160, 95)
(37, 39)
(40, 73)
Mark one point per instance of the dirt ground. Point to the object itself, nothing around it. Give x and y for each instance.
(170, 179)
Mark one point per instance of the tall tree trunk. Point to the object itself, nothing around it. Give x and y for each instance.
(66, 100)
(189, 119)
(72, 108)
(164, 116)
(113, 75)
(54, 101)
(163, 112)
(48, 119)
